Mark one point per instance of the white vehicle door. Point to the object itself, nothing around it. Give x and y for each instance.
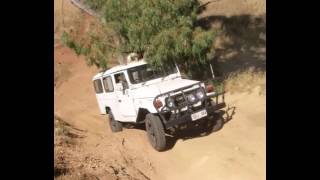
(126, 105)
(100, 95)
(110, 98)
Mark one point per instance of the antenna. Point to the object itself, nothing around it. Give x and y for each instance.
(212, 71)
(177, 67)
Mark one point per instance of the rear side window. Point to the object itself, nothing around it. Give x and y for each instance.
(107, 82)
(97, 86)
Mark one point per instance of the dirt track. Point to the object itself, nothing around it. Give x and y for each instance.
(235, 152)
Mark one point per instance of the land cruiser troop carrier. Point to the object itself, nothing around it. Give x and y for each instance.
(161, 100)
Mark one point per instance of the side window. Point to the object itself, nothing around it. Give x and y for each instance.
(120, 78)
(135, 76)
(107, 82)
(97, 86)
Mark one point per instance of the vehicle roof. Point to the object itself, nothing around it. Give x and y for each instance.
(120, 68)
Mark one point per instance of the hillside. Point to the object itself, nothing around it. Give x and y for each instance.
(86, 148)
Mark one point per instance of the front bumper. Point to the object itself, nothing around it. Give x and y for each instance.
(179, 116)
(187, 117)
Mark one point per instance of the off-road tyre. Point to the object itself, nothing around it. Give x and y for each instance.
(217, 122)
(155, 132)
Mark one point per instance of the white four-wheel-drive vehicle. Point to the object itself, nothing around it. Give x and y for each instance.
(162, 100)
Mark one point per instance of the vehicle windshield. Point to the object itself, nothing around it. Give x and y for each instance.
(145, 73)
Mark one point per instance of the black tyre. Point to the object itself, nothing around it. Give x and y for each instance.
(217, 124)
(115, 126)
(155, 132)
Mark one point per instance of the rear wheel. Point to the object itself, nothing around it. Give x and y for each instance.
(115, 126)
(217, 124)
(155, 132)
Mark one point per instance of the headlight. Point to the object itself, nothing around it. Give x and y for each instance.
(157, 104)
(170, 102)
(200, 94)
(191, 98)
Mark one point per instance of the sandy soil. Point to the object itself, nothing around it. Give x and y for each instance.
(234, 7)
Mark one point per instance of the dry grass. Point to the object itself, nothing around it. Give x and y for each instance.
(61, 139)
(256, 6)
(246, 81)
(68, 18)
(72, 164)
(64, 140)
(234, 7)
(62, 133)
(61, 73)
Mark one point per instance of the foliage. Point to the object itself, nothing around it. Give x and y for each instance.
(163, 31)
(95, 46)
(95, 5)
(68, 41)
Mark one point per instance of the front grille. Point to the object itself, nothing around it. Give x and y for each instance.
(179, 99)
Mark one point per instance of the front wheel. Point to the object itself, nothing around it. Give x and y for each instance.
(155, 132)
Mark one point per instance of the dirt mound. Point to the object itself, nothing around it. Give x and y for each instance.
(66, 163)
(73, 161)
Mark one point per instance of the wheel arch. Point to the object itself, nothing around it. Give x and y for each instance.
(142, 112)
(107, 109)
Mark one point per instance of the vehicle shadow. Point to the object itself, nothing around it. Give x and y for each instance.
(194, 131)
(239, 45)
(198, 131)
